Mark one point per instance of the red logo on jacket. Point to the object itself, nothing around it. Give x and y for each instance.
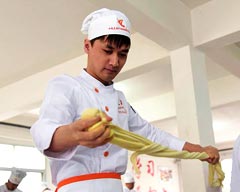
(121, 108)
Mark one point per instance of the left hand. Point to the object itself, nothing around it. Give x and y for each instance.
(210, 150)
(212, 153)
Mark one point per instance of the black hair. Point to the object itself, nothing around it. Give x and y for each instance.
(118, 40)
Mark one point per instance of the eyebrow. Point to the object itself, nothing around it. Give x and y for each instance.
(111, 47)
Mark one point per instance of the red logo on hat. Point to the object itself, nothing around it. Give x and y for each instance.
(122, 27)
(120, 21)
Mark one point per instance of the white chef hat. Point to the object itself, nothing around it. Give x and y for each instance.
(106, 22)
(128, 178)
(17, 176)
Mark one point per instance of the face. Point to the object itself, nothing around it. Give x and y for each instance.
(105, 60)
(129, 185)
(11, 186)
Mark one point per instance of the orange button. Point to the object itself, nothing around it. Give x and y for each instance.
(96, 90)
(106, 108)
(106, 153)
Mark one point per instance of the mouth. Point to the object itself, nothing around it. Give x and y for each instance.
(109, 70)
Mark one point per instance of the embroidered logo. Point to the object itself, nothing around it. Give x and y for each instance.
(121, 27)
(121, 108)
(120, 21)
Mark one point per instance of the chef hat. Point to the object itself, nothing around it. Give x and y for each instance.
(128, 178)
(106, 22)
(17, 176)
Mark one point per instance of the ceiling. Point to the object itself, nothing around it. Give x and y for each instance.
(42, 39)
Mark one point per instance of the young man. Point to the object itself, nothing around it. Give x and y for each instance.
(14, 180)
(82, 160)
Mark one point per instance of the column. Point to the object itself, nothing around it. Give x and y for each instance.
(193, 113)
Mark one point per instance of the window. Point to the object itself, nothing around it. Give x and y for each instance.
(29, 158)
(25, 158)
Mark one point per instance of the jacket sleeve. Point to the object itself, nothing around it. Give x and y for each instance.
(145, 129)
(57, 109)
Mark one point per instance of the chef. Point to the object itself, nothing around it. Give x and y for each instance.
(83, 160)
(14, 180)
(129, 182)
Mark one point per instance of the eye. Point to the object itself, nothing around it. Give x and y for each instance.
(122, 55)
(108, 51)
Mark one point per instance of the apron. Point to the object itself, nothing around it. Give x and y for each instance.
(96, 182)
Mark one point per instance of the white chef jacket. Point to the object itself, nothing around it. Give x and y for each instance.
(235, 177)
(66, 98)
(4, 188)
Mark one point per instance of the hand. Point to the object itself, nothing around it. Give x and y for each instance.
(96, 137)
(212, 153)
(76, 133)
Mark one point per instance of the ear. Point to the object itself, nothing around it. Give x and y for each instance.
(87, 45)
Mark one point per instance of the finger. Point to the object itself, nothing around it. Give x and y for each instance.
(213, 160)
(91, 121)
(103, 136)
(97, 141)
(98, 132)
(84, 124)
(108, 118)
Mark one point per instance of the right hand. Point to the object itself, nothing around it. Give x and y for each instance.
(93, 138)
(76, 133)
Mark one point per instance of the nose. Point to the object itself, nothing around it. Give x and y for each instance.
(114, 60)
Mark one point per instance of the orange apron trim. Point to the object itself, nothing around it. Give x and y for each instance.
(87, 177)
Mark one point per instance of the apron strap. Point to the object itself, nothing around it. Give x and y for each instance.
(91, 176)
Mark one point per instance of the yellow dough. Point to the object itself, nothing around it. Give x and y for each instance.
(141, 145)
